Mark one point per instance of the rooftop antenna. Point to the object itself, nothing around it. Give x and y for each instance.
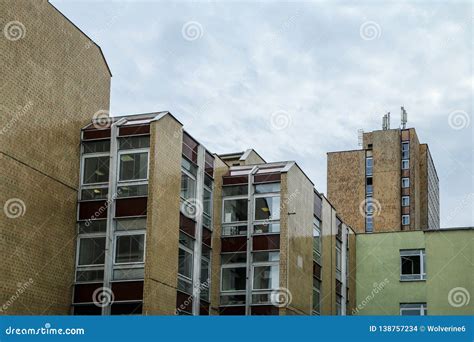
(404, 118)
(360, 135)
(385, 122)
(388, 120)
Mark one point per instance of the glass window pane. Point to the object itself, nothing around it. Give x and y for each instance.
(134, 142)
(232, 299)
(266, 256)
(186, 241)
(91, 251)
(130, 224)
(233, 279)
(129, 248)
(133, 166)
(235, 210)
(411, 264)
(132, 190)
(235, 190)
(266, 228)
(205, 279)
(207, 202)
(233, 258)
(92, 226)
(265, 277)
(185, 264)
(96, 146)
(267, 208)
(189, 166)
(266, 188)
(96, 170)
(94, 193)
(234, 230)
(90, 275)
(188, 187)
(129, 273)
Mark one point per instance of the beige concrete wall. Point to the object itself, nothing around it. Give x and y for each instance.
(328, 258)
(53, 81)
(296, 254)
(253, 158)
(346, 186)
(415, 181)
(162, 239)
(220, 169)
(424, 186)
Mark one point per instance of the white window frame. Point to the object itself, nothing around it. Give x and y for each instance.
(405, 198)
(91, 186)
(230, 198)
(371, 167)
(133, 151)
(272, 220)
(408, 182)
(264, 264)
(414, 252)
(235, 265)
(421, 309)
(407, 144)
(405, 164)
(406, 216)
(87, 236)
(83, 165)
(211, 209)
(128, 233)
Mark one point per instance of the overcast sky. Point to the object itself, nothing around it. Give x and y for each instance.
(296, 80)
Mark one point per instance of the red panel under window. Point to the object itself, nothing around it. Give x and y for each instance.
(184, 302)
(92, 210)
(234, 244)
(90, 134)
(209, 164)
(406, 191)
(232, 311)
(134, 130)
(204, 308)
(206, 236)
(405, 135)
(190, 147)
(83, 292)
(264, 310)
(405, 210)
(266, 242)
(131, 206)
(267, 177)
(187, 225)
(128, 290)
(232, 180)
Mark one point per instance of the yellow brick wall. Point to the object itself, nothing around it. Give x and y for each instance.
(53, 81)
(220, 169)
(346, 186)
(162, 240)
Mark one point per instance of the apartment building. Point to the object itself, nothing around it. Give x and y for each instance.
(54, 78)
(425, 272)
(144, 219)
(390, 184)
(279, 247)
